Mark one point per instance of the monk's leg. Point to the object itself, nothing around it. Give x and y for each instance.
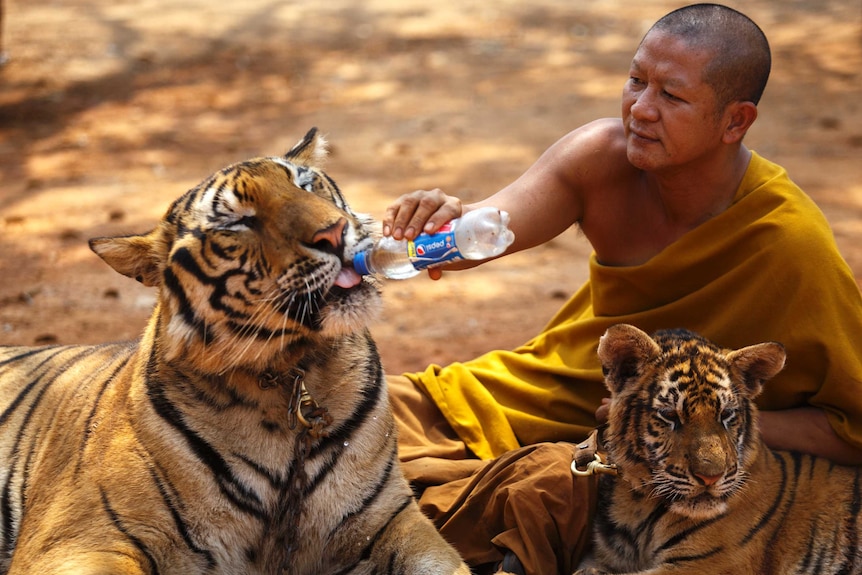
(527, 501)
(430, 451)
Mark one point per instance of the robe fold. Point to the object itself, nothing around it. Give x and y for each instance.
(766, 269)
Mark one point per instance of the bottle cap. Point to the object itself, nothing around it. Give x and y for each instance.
(360, 263)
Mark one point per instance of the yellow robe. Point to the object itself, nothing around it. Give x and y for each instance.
(767, 269)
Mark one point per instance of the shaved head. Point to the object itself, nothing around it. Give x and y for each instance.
(741, 59)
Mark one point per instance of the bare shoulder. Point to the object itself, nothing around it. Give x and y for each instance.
(594, 152)
(605, 131)
(560, 188)
(603, 135)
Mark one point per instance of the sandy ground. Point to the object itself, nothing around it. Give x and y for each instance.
(110, 109)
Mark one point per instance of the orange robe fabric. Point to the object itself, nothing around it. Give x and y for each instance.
(767, 269)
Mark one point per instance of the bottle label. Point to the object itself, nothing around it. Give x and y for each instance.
(433, 250)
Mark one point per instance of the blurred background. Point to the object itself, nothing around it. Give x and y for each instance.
(110, 109)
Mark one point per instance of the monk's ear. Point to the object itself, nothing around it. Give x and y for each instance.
(623, 350)
(739, 117)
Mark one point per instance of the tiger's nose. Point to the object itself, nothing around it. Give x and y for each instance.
(331, 239)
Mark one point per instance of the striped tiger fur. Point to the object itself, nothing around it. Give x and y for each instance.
(698, 490)
(247, 432)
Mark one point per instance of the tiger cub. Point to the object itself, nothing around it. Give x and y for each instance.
(698, 491)
(247, 432)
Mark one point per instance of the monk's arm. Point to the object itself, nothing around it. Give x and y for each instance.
(806, 429)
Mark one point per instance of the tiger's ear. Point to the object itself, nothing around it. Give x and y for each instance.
(623, 349)
(139, 257)
(756, 364)
(311, 150)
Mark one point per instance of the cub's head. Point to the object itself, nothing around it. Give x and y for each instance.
(252, 260)
(682, 423)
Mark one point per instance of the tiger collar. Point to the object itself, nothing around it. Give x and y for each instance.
(303, 409)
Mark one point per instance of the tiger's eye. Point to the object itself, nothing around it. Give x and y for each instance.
(250, 222)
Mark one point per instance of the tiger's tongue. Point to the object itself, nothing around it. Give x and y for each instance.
(347, 278)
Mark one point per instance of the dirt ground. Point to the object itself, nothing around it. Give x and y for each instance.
(111, 109)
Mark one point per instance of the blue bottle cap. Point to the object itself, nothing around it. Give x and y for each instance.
(360, 263)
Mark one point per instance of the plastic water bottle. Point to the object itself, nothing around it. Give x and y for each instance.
(477, 235)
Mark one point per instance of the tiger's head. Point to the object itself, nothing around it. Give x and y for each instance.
(251, 261)
(682, 424)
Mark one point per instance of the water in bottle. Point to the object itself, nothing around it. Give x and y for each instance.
(477, 235)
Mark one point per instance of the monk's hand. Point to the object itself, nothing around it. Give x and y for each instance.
(420, 211)
(603, 411)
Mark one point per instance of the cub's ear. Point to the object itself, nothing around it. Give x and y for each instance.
(623, 350)
(140, 257)
(311, 150)
(754, 365)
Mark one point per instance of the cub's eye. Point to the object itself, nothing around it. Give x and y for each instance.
(670, 416)
(727, 416)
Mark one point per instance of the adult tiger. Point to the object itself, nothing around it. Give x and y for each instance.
(247, 432)
(699, 492)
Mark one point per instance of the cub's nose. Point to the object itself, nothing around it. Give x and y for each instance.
(331, 239)
(708, 479)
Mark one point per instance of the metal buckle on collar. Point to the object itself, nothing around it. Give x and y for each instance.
(304, 409)
(595, 466)
(587, 455)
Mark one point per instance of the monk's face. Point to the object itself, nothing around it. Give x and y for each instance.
(669, 112)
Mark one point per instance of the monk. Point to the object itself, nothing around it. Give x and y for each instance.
(689, 228)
